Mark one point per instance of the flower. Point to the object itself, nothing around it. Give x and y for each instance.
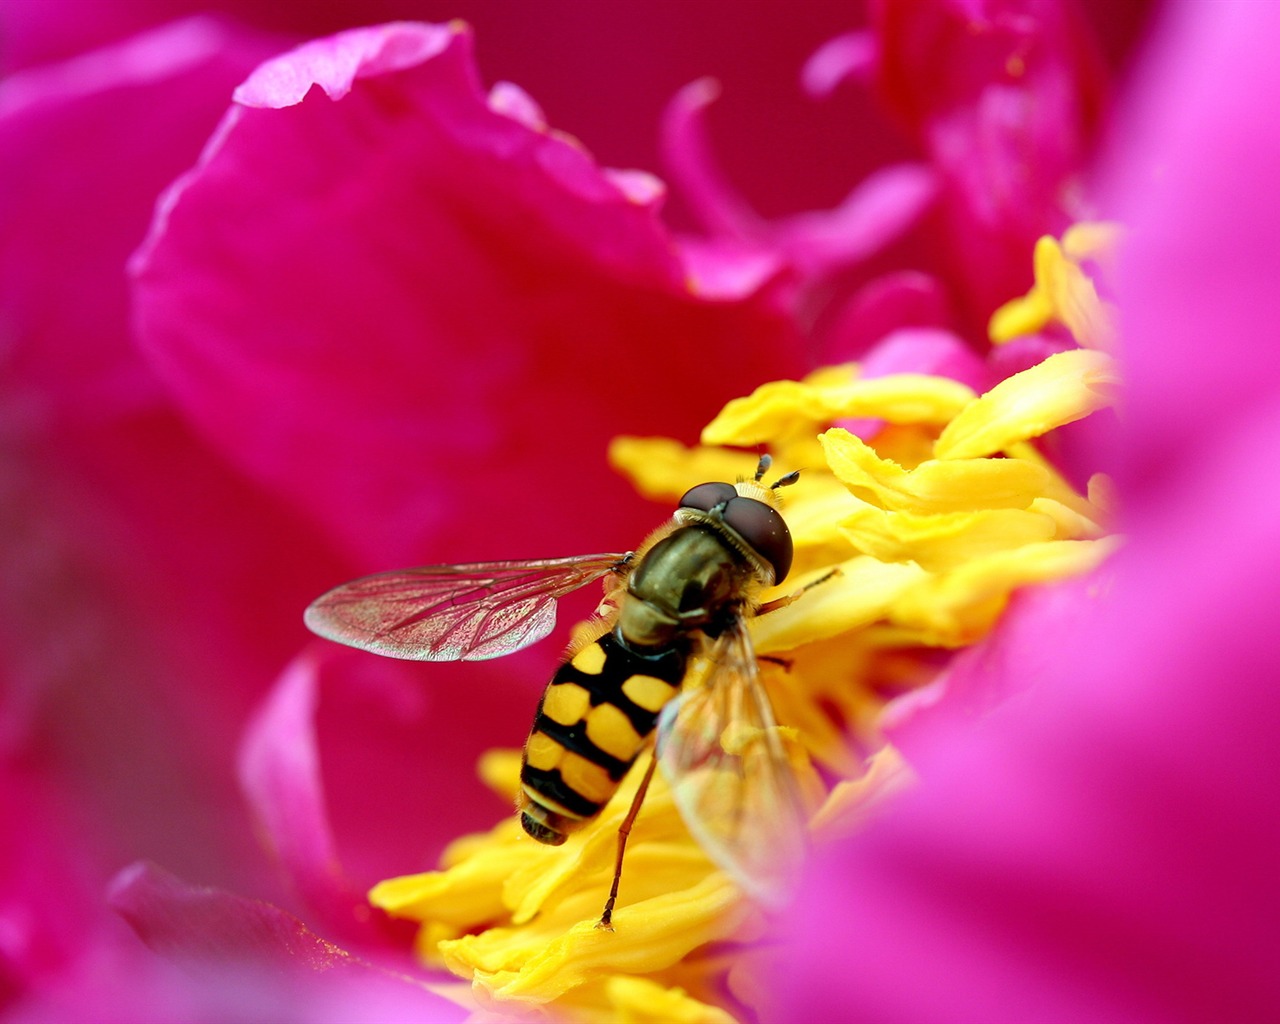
(167, 522)
(926, 552)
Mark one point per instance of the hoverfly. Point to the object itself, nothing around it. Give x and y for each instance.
(674, 608)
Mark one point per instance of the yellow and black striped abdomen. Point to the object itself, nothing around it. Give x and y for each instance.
(594, 718)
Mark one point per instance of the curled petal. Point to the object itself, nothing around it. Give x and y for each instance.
(270, 958)
(424, 285)
(335, 62)
(879, 210)
(686, 153)
(509, 99)
(851, 55)
(280, 773)
(902, 300)
(875, 213)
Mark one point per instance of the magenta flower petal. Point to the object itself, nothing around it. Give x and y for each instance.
(334, 63)
(77, 354)
(900, 299)
(686, 152)
(277, 966)
(396, 318)
(724, 268)
(280, 774)
(1103, 847)
(1003, 97)
(851, 55)
(1010, 661)
(1195, 144)
(385, 750)
(429, 290)
(132, 597)
(875, 213)
(881, 209)
(930, 351)
(180, 920)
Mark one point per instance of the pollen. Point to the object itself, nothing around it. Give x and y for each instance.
(922, 508)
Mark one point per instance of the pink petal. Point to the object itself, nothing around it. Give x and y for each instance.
(901, 299)
(436, 297)
(1195, 144)
(277, 968)
(981, 678)
(880, 210)
(63, 955)
(851, 55)
(357, 768)
(211, 926)
(141, 108)
(334, 63)
(1004, 98)
(815, 244)
(280, 773)
(722, 268)
(509, 99)
(930, 351)
(1024, 353)
(135, 616)
(45, 33)
(1104, 846)
(686, 153)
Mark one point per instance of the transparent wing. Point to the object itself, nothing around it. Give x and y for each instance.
(721, 752)
(454, 612)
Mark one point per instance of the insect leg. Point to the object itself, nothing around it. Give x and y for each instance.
(606, 919)
(786, 599)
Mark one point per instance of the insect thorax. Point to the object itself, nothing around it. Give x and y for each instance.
(691, 579)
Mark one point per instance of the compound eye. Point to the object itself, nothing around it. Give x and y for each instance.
(705, 497)
(764, 529)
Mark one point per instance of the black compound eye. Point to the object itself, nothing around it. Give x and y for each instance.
(705, 497)
(761, 527)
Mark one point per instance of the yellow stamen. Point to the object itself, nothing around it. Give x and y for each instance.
(1063, 291)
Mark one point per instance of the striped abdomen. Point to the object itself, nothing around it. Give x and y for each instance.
(594, 718)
